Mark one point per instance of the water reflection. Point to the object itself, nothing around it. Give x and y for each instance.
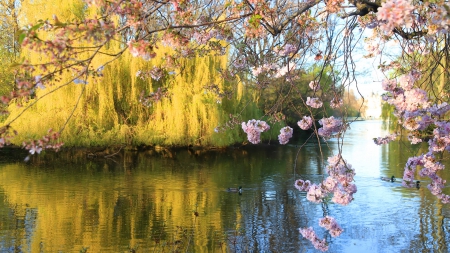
(177, 200)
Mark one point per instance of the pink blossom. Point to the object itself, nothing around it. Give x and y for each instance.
(253, 128)
(302, 185)
(342, 198)
(315, 193)
(330, 184)
(385, 140)
(414, 139)
(35, 149)
(409, 171)
(314, 85)
(141, 48)
(330, 224)
(341, 171)
(202, 37)
(415, 99)
(411, 124)
(264, 68)
(330, 126)
(156, 73)
(284, 70)
(407, 81)
(350, 188)
(314, 102)
(285, 135)
(287, 50)
(309, 234)
(388, 85)
(305, 123)
(395, 13)
(336, 103)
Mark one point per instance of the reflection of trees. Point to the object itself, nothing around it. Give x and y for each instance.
(271, 219)
(433, 225)
(147, 200)
(142, 199)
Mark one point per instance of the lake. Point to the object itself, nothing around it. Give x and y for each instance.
(176, 200)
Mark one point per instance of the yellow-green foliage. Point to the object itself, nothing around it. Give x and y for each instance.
(107, 111)
(67, 10)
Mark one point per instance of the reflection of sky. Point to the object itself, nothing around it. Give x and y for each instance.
(385, 217)
(360, 150)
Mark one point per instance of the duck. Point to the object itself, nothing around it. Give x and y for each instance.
(391, 179)
(417, 184)
(238, 190)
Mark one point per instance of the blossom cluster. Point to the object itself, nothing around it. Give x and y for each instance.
(309, 234)
(340, 184)
(141, 48)
(305, 123)
(285, 135)
(314, 85)
(330, 126)
(153, 97)
(314, 102)
(386, 139)
(264, 68)
(253, 128)
(418, 115)
(395, 13)
(334, 5)
(287, 50)
(330, 224)
(430, 167)
(302, 185)
(49, 141)
(155, 73)
(336, 102)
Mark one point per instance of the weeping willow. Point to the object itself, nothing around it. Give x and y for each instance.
(108, 111)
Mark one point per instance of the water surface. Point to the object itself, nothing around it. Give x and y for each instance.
(176, 201)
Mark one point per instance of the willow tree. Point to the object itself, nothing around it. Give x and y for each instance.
(135, 102)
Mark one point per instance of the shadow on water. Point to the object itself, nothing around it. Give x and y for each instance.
(176, 201)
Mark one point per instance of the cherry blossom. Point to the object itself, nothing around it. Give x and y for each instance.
(302, 185)
(385, 140)
(253, 128)
(330, 224)
(330, 126)
(395, 13)
(314, 102)
(336, 103)
(305, 123)
(314, 85)
(309, 234)
(285, 135)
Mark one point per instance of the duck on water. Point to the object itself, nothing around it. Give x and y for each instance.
(237, 190)
(392, 179)
(387, 179)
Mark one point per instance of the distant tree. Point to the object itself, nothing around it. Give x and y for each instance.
(9, 46)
